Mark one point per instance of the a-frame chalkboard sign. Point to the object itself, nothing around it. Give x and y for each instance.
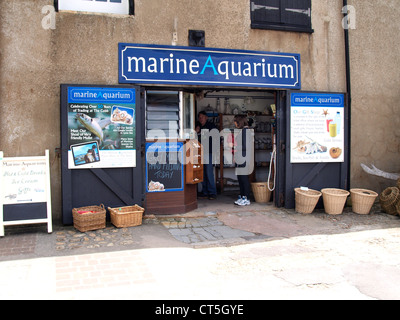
(25, 195)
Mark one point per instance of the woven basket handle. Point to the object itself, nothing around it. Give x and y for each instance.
(102, 206)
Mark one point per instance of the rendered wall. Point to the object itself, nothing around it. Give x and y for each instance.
(375, 116)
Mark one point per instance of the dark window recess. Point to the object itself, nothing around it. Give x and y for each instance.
(284, 15)
(132, 7)
(162, 114)
(197, 38)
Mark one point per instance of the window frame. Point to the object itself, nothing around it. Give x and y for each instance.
(279, 26)
(184, 109)
(131, 9)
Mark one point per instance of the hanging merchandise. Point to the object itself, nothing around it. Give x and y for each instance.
(220, 108)
(209, 109)
(228, 109)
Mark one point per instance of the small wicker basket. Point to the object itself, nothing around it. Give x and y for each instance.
(261, 192)
(334, 200)
(362, 200)
(124, 217)
(306, 200)
(389, 200)
(89, 218)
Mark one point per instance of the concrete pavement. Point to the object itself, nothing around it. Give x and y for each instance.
(258, 252)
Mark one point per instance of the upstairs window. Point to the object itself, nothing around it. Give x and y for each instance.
(124, 7)
(284, 15)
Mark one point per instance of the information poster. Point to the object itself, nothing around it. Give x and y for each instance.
(316, 128)
(101, 127)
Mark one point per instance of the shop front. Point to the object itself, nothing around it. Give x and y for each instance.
(144, 138)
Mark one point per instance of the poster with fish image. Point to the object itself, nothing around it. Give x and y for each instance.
(101, 127)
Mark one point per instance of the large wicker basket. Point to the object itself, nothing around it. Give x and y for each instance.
(261, 192)
(306, 200)
(89, 218)
(124, 217)
(389, 199)
(362, 200)
(334, 200)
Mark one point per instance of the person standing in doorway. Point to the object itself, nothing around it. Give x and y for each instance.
(209, 189)
(243, 158)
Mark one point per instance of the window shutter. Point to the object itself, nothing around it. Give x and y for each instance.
(263, 11)
(162, 113)
(284, 15)
(296, 12)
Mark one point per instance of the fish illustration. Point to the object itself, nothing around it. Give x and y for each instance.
(95, 126)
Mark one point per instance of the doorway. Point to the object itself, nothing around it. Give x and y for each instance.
(260, 106)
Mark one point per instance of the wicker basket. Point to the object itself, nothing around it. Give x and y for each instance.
(334, 200)
(389, 199)
(362, 200)
(398, 184)
(94, 220)
(124, 217)
(306, 200)
(261, 192)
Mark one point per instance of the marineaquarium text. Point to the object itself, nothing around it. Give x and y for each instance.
(198, 66)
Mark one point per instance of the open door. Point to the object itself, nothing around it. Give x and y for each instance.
(312, 143)
(102, 137)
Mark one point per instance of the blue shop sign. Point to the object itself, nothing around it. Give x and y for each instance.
(301, 99)
(152, 64)
(101, 95)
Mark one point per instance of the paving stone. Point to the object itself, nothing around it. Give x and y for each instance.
(202, 229)
(204, 233)
(195, 223)
(108, 237)
(215, 222)
(227, 232)
(179, 232)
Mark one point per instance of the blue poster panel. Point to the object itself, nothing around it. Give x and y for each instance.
(151, 64)
(101, 127)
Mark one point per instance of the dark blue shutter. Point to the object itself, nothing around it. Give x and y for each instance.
(266, 11)
(285, 15)
(296, 13)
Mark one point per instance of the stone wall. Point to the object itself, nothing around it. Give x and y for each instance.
(375, 116)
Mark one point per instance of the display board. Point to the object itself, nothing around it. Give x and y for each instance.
(105, 121)
(101, 127)
(164, 166)
(317, 127)
(25, 194)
